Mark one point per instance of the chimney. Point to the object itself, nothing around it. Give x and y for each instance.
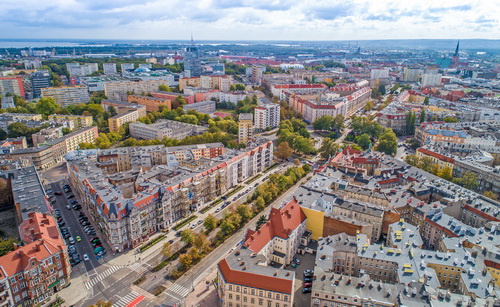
(16, 246)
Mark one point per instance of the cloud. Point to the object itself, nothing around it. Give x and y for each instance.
(249, 19)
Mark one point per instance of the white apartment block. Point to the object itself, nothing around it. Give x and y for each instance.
(431, 79)
(379, 74)
(109, 68)
(67, 95)
(127, 66)
(77, 70)
(164, 128)
(233, 97)
(119, 90)
(267, 114)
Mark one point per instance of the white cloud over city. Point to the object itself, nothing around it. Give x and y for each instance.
(250, 20)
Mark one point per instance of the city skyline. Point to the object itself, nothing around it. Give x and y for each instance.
(241, 20)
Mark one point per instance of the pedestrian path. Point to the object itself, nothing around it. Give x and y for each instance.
(178, 289)
(101, 276)
(129, 300)
(138, 267)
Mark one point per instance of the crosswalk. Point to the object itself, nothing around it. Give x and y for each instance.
(89, 284)
(138, 267)
(178, 289)
(129, 300)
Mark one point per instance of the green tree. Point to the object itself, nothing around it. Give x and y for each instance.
(388, 142)
(368, 106)
(426, 101)
(381, 89)
(187, 236)
(423, 116)
(411, 119)
(210, 222)
(166, 250)
(245, 212)
(323, 123)
(469, 181)
(445, 173)
(240, 87)
(201, 242)
(261, 221)
(491, 195)
(284, 151)
(364, 141)
(306, 168)
(19, 129)
(186, 260)
(232, 88)
(3, 135)
(426, 164)
(7, 245)
(66, 130)
(338, 122)
(260, 203)
(412, 160)
(328, 148)
(164, 88)
(46, 106)
(450, 120)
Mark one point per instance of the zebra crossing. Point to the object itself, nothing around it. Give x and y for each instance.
(178, 289)
(138, 267)
(127, 299)
(93, 281)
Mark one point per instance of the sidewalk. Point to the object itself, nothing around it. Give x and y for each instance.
(76, 292)
(201, 296)
(132, 256)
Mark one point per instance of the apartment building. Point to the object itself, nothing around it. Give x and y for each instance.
(109, 68)
(134, 192)
(34, 272)
(431, 79)
(222, 83)
(127, 66)
(12, 86)
(206, 107)
(245, 128)
(164, 128)
(127, 113)
(152, 104)
(67, 95)
(79, 121)
(46, 134)
(120, 90)
(188, 152)
(267, 114)
(117, 121)
(52, 152)
(278, 90)
(77, 70)
(245, 277)
(232, 97)
(172, 96)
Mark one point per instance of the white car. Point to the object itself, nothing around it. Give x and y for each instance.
(86, 257)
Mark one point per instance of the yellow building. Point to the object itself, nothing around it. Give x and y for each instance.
(245, 128)
(119, 120)
(80, 121)
(440, 160)
(314, 223)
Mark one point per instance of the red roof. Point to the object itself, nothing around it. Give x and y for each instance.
(281, 223)
(436, 155)
(41, 234)
(255, 280)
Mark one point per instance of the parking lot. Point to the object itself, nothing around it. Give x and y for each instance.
(75, 226)
(306, 263)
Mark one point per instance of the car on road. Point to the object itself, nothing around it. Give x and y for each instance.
(77, 207)
(308, 280)
(193, 226)
(306, 290)
(61, 224)
(296, 260)
(308, 273)
(74, 202)
(307, 285)
(86, 257)
(98, 249)
(68, 207)
(199, 222)
(57, 193)
(71, 240)
(71, 196)
(101, 253)
(94, 238)
(218, 209)
(78, 238)
(48, 191)
(170, 241)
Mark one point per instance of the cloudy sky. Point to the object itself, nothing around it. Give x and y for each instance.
(250, 20)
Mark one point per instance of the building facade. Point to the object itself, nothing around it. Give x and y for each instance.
(245, 128)
(67, 95)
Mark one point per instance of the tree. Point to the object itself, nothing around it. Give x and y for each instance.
(166, 250)
(186, 260)
(423, 116)
(46, 106)
(364, 141)
(187, 236)
(450, 120)
(491, 195)
(368, 106)
(5, 198)
(323, 123)
(296, 162)
(201, 242)
(164, 88)
(101, 303)
(445, 173)
(261, 221)
(411, 119)
(381, 89)
(426, 101)
(18, 129)
(426, 164)
(66, 130)
(232, 88)
(210, 222)
(240, 87)
(3, 135)
(260, 203)
(338, 122)
(306, 168)
(245, 212)
(328, 148)
(470, 181)
(412, 160)
(7, 245)
(388, 142)
(284, 151)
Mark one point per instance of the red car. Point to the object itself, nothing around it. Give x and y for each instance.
(58, 193)
(307, 285)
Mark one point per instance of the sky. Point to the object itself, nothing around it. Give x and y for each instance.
(250, 20)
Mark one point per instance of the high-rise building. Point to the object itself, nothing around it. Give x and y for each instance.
(257, 74)
(13, 86)
(39, 79)
(67, 95)
(412, 74)
(245, 128)
(431, 79)
(192, 63)
(109, 68)
(127, 66)
(267, 114)
(77, 70)
(379, 74)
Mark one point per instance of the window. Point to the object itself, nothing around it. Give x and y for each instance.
(237, 289)
(269, 295)
(237, 297)
(261, 301)
(277, 296)
(252, 301)
(230, 288)
(245, 299)
(285, 298)
(230, 296)
(253, 291)
(14, 289)
(12, 280)
(269, 304)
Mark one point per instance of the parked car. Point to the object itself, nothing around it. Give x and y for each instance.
(71, 240)
(308, 280)
(74, 202)
(57, 193)
(86, 257)
(61, 223)
(71, 196)
(78, 238)
(296, 260)
(306, 290)
(307, 285)
(68, 207)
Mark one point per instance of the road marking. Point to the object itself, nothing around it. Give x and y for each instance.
(178, 289)
(129, 300)
(138, 267)
(101, 276)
